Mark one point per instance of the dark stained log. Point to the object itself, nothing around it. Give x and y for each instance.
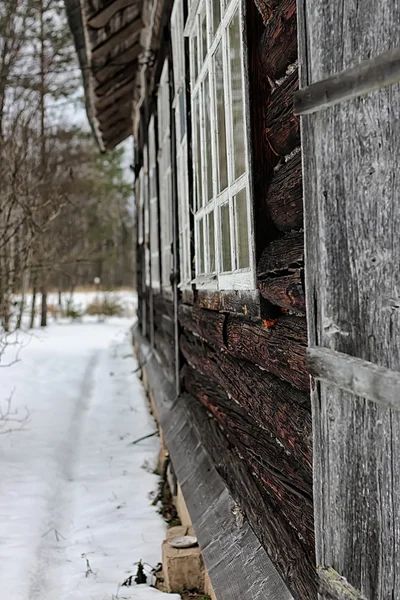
(285, 196)
(273, 403)
(131, 29)
(207, 324)
(292, 558)
(110, 129)
(113, 112)
(265, 8)
(119, 131)
(287, 481)
(164, 324)
(102, 17)
(278, 345)
(106, 71)
(283, 127)
(187, 296)
(281, 255)
(246, 303)
(278, 47)
(286, 291)
(165, 350)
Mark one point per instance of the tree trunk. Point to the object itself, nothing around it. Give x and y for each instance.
(33, 307)
(43, 320)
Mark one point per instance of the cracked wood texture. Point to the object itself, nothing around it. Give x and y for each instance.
(352, 218)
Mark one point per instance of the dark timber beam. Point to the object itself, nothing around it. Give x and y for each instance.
(102, 17)
(130, 30)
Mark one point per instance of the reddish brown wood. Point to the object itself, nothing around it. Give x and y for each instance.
(287, 480)
(286, 291)
(293, 558)
(282, 254)
(278, 48)
(246, 303)
(278, 346)
(207, 324)
(265, 8)
(283, 127)
(273, 403)
(285, 196)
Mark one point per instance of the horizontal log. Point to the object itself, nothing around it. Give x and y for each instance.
(107, 70)
(121, 136)
(163, 306)
(294, 561)
(265, 8)
(281, 255)
(286, 291)
(166, 352)
(277, 406)
(208, 324)
(285, 196)
(165, 325)
(120, 78)
(287, 482)
(246, 303)
(278, 47)
(278, 346)
(283, 126)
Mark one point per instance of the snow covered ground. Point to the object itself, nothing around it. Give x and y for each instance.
(76, 508)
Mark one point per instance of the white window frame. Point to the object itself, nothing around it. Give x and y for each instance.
(153, 207)
(165, 178)
(236, 279)
(146, 219)
(180, 112)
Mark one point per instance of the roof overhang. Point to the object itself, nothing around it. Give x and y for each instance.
(115, 41)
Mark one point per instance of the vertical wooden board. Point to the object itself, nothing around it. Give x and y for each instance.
(352, 222)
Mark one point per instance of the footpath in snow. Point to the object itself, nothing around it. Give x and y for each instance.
(76, 510)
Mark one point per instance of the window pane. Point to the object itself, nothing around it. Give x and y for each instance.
(204, 32)
(216, 13)
(242, 230)
(195, 57)
(211, 243)
(198, 165)
(226, 238)
(200, 248)
(221, 131)
(207, 138)
(237, 96)
(182, 113)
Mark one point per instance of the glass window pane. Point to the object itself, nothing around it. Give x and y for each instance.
(211, 243)
(195, 70)
(197, 158)
(242, 230)
(237, 96)
(204, 32)
(221, 130)
(207, 139)
(200, 248)
(216, 13)
(182, 113)
(226, 256)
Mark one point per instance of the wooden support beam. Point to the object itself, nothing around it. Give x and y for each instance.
(117, 93)
(131, 30)
(362, 378)
(103, 16)
(117, 139)
(121, 78)
(368, 76)
(285, 195)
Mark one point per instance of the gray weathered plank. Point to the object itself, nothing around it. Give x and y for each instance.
(351, 189)
(366, 77)
(237, 564)
(355, 375)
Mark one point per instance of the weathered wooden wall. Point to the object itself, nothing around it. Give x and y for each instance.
(243, 355)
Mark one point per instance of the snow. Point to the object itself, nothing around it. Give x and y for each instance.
(73, 488)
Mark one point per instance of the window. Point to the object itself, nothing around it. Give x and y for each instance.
(180, 112)
(146, 221)
(165, 171)
(154, 240)
(223, 215)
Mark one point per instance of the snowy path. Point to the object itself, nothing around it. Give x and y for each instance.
(71, 485)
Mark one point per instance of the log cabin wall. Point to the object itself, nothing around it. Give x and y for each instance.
(242, 355)
(244, 373)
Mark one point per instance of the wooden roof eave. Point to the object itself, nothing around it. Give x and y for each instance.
(103, 16)
(132, 29)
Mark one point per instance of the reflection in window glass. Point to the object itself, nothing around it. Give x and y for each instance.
(204, 32)
(237, 96)
(221, 131)
(195, 58)
(200, 247)
(226, 257)
(216, 13)
(207, 139)
(211, 243)
(242, 230)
